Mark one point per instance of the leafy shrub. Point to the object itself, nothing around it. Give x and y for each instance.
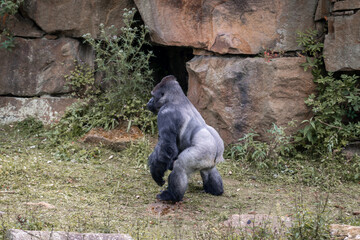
(336, 106)
(121, 60)
(127, 79)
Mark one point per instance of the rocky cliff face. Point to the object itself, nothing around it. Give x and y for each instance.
(232, 87)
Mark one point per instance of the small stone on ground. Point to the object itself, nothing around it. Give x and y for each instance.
(17, 234)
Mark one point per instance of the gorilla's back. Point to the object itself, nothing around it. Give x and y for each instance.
(192, 123)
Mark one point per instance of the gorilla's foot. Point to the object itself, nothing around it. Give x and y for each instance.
(167, 196)
(212, 182)
(214, 190)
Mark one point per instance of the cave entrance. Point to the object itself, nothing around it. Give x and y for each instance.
(168, 60)
(171, 60)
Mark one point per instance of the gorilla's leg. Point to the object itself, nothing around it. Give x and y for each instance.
(212, 181)
(178, 181)
(190, 160)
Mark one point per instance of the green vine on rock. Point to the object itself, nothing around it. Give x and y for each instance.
(8, 7)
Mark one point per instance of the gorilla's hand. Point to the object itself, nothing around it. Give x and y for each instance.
(157, 169)
(157, 176)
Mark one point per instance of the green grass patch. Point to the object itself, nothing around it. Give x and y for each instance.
(94, 189)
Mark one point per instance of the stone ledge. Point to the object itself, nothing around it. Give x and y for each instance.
(16, 234)
(46, 109)
(346, 5)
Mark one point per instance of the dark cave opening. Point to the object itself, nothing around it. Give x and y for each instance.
(170, 60)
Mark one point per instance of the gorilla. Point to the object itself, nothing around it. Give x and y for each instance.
(186, 143)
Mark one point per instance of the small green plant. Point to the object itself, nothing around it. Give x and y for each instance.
(265, 154)
(269, 54)
(69, 151)
(82, 81)
(9, 7)
(29, 126)
(6, 40)
(313, 49)
(310, 224)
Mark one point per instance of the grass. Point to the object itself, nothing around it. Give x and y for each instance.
(112, 192)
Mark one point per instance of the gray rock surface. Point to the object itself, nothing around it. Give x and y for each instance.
(237, 95)
(37, 66)
(46, 109)
(16, 234)
(342, 47)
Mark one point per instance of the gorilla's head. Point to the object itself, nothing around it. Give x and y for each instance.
(168, 90)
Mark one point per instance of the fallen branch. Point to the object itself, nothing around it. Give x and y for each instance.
(329, 125)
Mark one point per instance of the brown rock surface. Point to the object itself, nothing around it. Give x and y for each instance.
(37, 66)
(342, 47)
(236, 27)
(21, 27)
(46, 109)
(236, 94)
(322, 10)
(76, 18)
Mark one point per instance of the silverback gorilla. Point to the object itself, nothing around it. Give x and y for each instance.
(186, 143)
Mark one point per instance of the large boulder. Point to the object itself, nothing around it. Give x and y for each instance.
(235, 26)
(46, 109)
(75, 18)
(341, 47)
(236, 95)
(37, 66)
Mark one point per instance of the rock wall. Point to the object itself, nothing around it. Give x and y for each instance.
(237, 94)
(232, 86)
(47, 38)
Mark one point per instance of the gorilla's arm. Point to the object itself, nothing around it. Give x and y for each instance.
(166, 149)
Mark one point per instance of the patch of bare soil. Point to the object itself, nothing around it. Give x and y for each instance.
(116, 139)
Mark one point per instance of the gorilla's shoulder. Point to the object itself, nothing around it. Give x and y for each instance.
(171, 109)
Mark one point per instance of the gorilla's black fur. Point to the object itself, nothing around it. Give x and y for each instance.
(186, 143)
